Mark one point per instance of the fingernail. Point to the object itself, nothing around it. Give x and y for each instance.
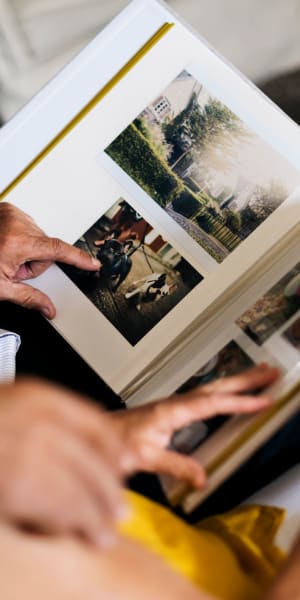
(96, 263)
(106, 539)
(46, 312)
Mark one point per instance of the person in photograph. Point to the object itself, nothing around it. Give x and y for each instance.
(114, 257)
(121, 236)
(135, 261)
(122, 226)
(230, 360)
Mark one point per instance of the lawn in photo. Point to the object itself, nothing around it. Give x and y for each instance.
(196, 158)
(292, 334)
(273, 309)
(230, 360)
(142, 277)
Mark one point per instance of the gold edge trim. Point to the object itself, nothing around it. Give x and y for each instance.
(160, 33)
(182, 493)
(252, 430)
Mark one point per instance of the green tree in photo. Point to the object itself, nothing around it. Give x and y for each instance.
(219, 119)
(186, 203)
(267, 198)
(135, 155)
(264, 201)
(250, 220)
(186, 130)
(198, 127)
(233, 220)
(154, 136)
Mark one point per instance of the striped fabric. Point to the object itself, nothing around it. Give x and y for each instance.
(9, 345)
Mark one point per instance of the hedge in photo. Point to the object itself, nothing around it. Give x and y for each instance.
(186, 203)
(133, 153)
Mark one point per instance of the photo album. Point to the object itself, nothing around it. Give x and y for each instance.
(154, 155)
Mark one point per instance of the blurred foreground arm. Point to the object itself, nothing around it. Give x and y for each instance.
(61, 466)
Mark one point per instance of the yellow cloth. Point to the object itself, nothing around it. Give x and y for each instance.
(231, 556)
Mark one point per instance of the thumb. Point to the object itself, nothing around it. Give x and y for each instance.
(29, 297)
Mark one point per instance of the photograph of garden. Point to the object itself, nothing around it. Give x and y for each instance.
(273, 309)
(196, 158)
(142, 277)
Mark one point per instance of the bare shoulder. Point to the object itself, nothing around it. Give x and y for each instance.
(66, 569)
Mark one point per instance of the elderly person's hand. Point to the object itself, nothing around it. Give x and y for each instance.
(26, 252)
(61, 465)
(147, 431)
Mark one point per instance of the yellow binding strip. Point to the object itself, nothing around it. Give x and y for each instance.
(252, 430)
(99, 96)
(185, 490)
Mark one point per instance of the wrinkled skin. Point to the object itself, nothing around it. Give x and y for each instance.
(25, 253)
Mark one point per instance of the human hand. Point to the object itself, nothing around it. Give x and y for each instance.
(25, 253)
(61, 466)
(147, 430)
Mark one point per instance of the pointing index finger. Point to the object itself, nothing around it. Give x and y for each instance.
(56, 250)
(259, 377)
(190, 409)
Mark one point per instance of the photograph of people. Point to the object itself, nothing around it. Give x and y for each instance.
(230, 360)
(273, 309)
(142, 277)
(211, 173)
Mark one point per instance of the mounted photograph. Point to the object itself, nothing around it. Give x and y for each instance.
(273, 309)
(142, 277)
(230, 360)
(204, 166)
